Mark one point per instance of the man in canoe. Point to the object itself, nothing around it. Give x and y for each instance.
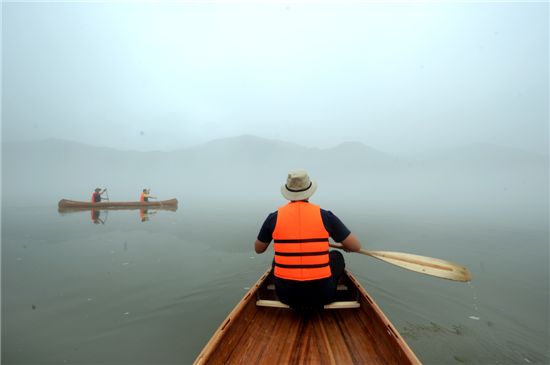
(96, 195)
(144, 197)
(306, 273)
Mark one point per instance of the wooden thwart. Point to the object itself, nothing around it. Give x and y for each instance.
(339, 287)
(334, 305)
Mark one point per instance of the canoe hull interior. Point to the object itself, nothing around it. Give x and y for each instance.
(262, 335)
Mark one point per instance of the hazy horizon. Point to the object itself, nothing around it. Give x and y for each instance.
(161, 76)
(417, 152)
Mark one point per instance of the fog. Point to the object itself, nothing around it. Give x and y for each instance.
(412, 106)
(496, 184)
(401, 78)
(424, 109)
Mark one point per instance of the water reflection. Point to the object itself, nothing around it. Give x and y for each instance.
(144, 214)
(95, 215)
(100, 216)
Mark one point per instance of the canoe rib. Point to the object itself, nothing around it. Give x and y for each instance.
(65, 204)
(265, 335)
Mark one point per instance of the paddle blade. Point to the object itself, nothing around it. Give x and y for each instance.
(422, 264)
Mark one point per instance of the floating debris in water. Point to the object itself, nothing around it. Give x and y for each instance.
(459, 359)
(252, 257)
(127, 313)
(33, 307)
(89, 299)
(474, 318)
(125, 263)
(527, 360)
(246, 288)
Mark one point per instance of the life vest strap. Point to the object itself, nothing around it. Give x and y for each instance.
(305, 240)
(318, 253)
(313, 266)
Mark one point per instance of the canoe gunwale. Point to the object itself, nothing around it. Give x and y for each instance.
(218, 335)
(392, 331)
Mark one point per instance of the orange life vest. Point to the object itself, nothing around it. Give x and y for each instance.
(142, 197)
(301, 243)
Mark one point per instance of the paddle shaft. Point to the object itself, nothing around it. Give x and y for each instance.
(422, 264)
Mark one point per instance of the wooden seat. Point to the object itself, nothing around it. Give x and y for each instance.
(333, 305)
(339, 287)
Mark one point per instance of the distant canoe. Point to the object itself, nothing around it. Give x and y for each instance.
(65, 204)
(260, 330)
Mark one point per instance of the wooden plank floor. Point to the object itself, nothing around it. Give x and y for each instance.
(324, 337)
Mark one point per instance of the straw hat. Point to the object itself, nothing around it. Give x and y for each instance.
(298, 186)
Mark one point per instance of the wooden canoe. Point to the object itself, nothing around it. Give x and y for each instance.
(253, 334)
(65, 204)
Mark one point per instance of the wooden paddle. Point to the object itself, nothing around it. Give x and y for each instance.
(422, 264)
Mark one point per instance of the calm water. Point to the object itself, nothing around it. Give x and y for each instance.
(132, 292)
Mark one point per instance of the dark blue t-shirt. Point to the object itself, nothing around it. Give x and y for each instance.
(334, 226)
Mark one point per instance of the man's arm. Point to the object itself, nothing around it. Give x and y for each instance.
(260, 246)
(266, 233)
(351, 243)
(339, 232)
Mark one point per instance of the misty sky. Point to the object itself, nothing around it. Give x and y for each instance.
(398, 77)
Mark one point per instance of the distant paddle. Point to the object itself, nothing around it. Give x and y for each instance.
(422, 264)
(150, 197)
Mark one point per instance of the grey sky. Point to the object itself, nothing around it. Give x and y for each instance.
(399, 77)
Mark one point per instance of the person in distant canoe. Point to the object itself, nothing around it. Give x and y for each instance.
(144, 197)
(96, 195)
(306, 273)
